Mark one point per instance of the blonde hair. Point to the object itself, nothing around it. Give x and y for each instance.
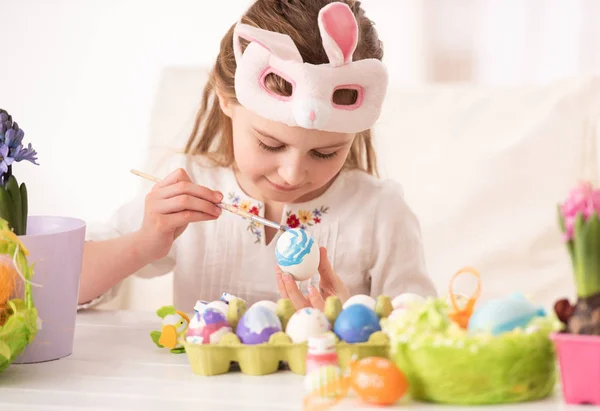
(212, 135)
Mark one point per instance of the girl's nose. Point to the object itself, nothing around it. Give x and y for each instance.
(293, 171)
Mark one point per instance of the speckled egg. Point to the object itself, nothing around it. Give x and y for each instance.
(207, 327)
(306, 323)
(257, 325)
(356, 323)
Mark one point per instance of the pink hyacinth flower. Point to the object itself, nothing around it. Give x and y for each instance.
(583, 199)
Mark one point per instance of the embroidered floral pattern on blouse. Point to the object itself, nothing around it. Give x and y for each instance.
(305, 218)
(247, 206)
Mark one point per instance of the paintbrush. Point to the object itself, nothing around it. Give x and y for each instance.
(228, 207)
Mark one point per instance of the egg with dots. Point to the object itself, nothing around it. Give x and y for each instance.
(377, 381)
(257, 325)
(207, 327)
(297, 254)
(307, 323)
(356, 323)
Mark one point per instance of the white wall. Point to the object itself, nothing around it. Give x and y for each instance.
(80, 77)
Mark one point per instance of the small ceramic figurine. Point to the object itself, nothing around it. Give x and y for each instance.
(174, 326)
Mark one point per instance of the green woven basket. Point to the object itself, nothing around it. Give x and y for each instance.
(20, 327)
(445, 364)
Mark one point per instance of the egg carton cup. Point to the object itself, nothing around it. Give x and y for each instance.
(447, 365)
(267, 358)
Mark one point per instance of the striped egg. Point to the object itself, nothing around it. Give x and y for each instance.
(297, 254)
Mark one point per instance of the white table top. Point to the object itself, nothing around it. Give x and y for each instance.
(115, 366)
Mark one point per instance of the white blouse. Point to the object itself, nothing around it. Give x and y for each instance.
(372, 238)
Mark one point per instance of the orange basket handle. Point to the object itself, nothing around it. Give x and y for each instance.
(473, 298)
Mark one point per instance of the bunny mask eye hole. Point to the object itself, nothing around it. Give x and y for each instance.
(276, 85)
(347, 97)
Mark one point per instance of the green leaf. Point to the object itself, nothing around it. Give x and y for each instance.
(6, 207)
(589, 256)
(561, 220)
(24, 207)
(155, 335)
(15, 194)
(179, 350)
(5, 350)
(162, 312)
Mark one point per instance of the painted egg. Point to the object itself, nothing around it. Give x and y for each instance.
(207, 327)
(220, 306)
(257, 325)
(356, 323)
(227, 298)
(267, 304)
(307, 323)
(363, 299)
(297, 253)
(378, 381)
(504, 314)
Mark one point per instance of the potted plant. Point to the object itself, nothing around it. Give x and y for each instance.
(578, 345)
(55, 246)
(13, 197)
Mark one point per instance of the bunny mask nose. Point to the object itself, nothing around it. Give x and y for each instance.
(311, 113)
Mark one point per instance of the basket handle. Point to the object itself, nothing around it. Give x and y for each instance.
(462, 315)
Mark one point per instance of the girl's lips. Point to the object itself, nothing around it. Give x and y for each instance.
(283, 188)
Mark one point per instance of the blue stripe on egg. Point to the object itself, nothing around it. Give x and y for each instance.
(300, 245)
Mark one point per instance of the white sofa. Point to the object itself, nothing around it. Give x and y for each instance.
(483, 167)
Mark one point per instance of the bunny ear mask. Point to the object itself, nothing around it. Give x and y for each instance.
(311, 104)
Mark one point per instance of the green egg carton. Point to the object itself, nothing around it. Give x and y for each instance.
(266, 358)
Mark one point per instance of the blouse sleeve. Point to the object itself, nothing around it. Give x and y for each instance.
(398, 261)
(128, 218)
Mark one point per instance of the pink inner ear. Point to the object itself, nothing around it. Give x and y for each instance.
(340, 24)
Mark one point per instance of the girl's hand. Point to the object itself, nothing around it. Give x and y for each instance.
(329, 284)
(173, 203)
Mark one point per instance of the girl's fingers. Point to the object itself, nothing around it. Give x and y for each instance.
(179, 182)
(294, 293)
(325, 269)
(181, 218)
(280, 286)
(186, 202)
(186, 187)
(316, 299)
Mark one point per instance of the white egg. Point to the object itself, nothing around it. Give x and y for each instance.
(363, 299)
(405, 300)
(220, 306)
(267, 304)
(307, 323)
(297, 253)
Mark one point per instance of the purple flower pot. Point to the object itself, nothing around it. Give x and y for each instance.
(55, 246)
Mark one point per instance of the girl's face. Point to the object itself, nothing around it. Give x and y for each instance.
(284, 164)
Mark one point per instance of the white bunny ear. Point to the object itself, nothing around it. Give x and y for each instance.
(281, 45)
(339, 32)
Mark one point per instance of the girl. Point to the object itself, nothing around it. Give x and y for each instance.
(283, 131)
